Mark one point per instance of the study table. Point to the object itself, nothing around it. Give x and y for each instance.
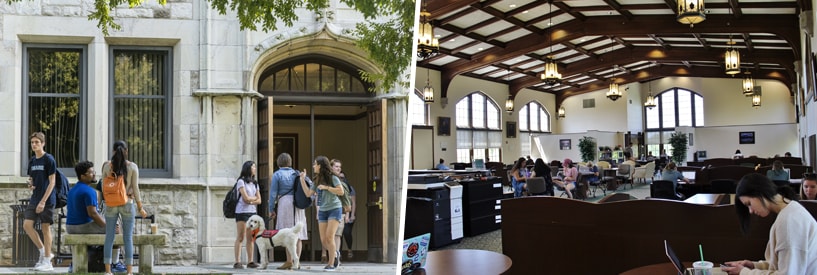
(465, 262)
(710, 199)
(664, 268)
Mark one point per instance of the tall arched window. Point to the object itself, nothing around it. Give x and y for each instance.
(418, 109)
(479, 135)
(533, 118)
(674, 107)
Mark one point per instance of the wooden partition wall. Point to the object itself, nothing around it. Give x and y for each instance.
(563, 236)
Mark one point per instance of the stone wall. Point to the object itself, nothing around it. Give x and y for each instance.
(177, 214)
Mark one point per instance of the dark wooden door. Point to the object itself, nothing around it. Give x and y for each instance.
(266, 159)
(376, 125)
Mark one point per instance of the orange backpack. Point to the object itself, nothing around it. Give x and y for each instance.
(113, 189)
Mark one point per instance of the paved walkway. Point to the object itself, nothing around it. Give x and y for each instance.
(306, 267)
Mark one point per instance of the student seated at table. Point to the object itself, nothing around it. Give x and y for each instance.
(442, 166)
(792, 246)
(568, 182)
(777, 172)
(593, 172)
(808, 190)
(671, 173)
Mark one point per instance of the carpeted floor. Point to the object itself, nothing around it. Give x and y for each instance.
(492, 241)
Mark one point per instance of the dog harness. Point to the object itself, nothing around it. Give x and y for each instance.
(264, 234)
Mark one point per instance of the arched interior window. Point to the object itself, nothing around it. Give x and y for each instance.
(674, 107)
(479, 135)
(533, 118)
(418, 110)
(313, 73)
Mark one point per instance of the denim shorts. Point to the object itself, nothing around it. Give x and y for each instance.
(335, 214)
(243, 217)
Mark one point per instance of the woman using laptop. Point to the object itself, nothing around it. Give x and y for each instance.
(792, 246)
(777, 172)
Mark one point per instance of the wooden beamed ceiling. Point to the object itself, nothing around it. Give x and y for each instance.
(597, 44)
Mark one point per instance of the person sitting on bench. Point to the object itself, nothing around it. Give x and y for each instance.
(82, 217)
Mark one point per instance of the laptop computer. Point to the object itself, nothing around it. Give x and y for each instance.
(679, 266)
(415, 251)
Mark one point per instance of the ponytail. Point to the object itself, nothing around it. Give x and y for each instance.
(119, 161)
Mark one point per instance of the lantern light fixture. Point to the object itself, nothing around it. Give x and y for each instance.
(551, 75)
(561, 112)
(748, 84)
(427, 44)
(756, 100)
(732, 59)
(428, 91)
(691, 12)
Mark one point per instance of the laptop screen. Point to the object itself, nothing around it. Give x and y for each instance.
(679, 266)
(415, 251)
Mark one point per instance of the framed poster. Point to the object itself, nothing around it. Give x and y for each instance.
(510, 129)
(746, 137)
(285, 143)
(443, 126)
(564, 144)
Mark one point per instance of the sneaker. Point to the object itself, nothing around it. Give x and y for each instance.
(46, 266)
(238, 266)
(119, 267)
(39, 263)
(328, 268)
(252, 265)
(337, 259)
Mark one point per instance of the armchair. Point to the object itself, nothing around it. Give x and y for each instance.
(644, 172)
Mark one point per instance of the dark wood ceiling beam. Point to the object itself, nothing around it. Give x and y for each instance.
(482, 24)
(465, 46)
(564, 7)
(735, 8)
(510, 19)
(474, 36)
(784, 26)
(748, 41)
(580, 50)
(701, 40)
(526, 7)
(686, 63)
(431, 59)
(623, 43)
(667, 71)
(616, 6)
(595, 76)
(659, 41)
(501, 33)
(624, 69)
(672, 5)
(439, 8)
(455, 16)
(657, 54)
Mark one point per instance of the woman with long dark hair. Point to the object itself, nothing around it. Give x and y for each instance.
(518, 177)
(540, 169)
(120, 165)
(246, 208)
(330, 213)
(792, 246)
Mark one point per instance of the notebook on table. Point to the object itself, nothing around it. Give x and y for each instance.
(415, 251)
(679, 266)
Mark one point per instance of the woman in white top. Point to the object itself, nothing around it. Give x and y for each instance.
(246, 207)
(792, 246)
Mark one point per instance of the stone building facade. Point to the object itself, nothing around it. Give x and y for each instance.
(203, 81)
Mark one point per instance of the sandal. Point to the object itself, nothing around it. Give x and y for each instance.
(238, 266)
(285, 266)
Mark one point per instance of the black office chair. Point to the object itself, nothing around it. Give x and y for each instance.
(663, 189)
(536, 186)
(723, 186)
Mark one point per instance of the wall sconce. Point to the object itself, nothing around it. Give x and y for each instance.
(509, 105)
(561, 112)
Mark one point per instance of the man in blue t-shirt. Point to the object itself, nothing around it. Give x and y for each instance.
(42, 172)
(83, 217)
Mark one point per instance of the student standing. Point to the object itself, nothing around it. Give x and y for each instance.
(330, 213)
(792, 246)
(41, 177)
(246, 208)
(282, 192)
(120, 165)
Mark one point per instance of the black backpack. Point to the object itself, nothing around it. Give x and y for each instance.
(62, 188)
(301, 201)
(230, 202)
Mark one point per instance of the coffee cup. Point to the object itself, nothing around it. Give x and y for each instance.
(154, 228)
(702, 268)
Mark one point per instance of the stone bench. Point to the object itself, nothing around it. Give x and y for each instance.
(80, 243)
